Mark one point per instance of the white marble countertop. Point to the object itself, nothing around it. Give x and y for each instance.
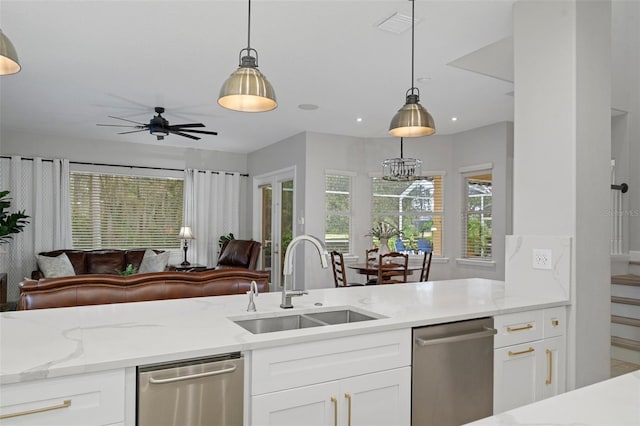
(56, 342)
(611, 402)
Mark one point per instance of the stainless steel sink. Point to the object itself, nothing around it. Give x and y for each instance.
(340, 317)
(306, 320)
(271, 324)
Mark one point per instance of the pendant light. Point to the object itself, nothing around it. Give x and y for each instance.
(412, 119)
(8, 57)
(247, 89)
(401, 169)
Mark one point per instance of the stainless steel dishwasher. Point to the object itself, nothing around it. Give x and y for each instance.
(202, 392)
(452, 377)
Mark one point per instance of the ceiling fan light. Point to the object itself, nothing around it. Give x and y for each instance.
(8, 57)
(247, 90)
(412, 120)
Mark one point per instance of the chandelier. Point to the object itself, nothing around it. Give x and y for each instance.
(401, 169)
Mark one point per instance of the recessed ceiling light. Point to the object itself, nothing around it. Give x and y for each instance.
(423, 80)
(308, 107)
(454, 118)
(359, 119)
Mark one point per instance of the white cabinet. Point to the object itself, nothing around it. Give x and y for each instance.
(359, 380)
(529, 357)
(83, 400)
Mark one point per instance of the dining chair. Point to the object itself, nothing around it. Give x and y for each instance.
(392, 268)
(426, 266)
(372, 257)
(339, 271)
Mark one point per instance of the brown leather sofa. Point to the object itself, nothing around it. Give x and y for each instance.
(104, 289)
(104, 261)
(239, 254)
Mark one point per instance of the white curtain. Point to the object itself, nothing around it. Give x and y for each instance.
(41, 188)
(212, 209)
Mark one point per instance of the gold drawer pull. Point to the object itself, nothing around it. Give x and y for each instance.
(524, 327)
(526, 351)
(66, 403)
(335, 410)
(348, 396)
(550, 367)
(555, 322)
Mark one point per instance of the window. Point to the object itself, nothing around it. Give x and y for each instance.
(415, 207)
(115, 211)
(338, 212)
(476, 226)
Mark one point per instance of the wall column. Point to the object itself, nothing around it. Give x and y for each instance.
(562, 148)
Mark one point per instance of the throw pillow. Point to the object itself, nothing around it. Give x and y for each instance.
(59, 266)
(152, 262)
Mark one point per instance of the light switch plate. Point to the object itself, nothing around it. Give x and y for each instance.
(541, 259)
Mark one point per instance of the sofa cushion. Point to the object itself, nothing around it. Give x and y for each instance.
(134, 257)
(105, 262)
(152, 262)
(59, 266)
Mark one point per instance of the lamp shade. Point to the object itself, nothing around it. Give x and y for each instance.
(8, 57)
(412, 120)
(185, 233)
(247, 89)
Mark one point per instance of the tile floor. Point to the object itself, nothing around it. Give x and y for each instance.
(619, 368)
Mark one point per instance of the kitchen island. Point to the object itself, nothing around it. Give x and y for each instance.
(42, 345)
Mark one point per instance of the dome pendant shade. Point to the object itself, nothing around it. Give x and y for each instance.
(8, 57)
(412, 120)
(247, 89)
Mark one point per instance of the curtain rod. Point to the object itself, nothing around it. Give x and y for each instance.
(120, 165)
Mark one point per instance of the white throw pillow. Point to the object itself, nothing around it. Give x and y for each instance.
(152, 262)
(59, 266)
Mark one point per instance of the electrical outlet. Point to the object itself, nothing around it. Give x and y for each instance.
(541, 259)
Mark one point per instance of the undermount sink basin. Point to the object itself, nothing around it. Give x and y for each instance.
(298, 321)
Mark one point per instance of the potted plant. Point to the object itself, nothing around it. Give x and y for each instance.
(10, 223)
(383, 231)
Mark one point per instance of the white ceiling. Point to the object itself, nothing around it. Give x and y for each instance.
(85, 60)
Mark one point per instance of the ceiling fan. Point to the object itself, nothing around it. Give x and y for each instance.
(160, 127)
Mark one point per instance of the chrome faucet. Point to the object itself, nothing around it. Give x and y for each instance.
(287, 270)
(253, 291)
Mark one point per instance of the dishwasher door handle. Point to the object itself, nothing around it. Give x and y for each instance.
(192, 376)
(487, 332)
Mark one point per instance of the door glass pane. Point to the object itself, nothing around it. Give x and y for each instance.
(286, 219)
(267, 212)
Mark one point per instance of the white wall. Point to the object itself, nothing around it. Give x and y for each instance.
(562, 147)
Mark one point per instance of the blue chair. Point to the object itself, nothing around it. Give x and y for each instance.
(400, 248)
(424, 245)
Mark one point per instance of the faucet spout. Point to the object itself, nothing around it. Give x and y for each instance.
(287, 270)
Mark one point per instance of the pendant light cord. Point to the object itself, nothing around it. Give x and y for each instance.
(249, 30)
(413, 24)
(401, 146)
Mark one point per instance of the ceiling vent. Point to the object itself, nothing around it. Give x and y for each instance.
(396, 23)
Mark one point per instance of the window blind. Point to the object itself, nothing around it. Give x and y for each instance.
(477, 217)
(117, 211)
(337, 213)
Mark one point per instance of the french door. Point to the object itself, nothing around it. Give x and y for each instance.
(273, 220)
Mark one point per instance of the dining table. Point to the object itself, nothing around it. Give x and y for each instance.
(371, 268)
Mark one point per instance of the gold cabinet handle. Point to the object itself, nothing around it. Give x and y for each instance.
(524, 327)
(335, 410)
(348, 396)
(66, 403)
(526, 351)
(555, 322)
(549, 367)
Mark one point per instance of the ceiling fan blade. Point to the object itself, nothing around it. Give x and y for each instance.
(132, 131)
(187, 125)
(118, 125)
(204, 132)
(124, 119)
(184, 134)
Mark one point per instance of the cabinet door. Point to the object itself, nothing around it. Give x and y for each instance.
(516, 376)
(552, 367)
(307, 405)
(382, 398)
